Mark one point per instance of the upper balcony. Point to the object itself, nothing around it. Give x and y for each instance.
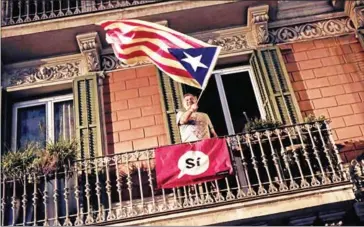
(275, 170)
(27, 11)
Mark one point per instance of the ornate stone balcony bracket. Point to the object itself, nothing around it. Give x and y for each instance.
(258, 21)
(355, 10)
(90, 47)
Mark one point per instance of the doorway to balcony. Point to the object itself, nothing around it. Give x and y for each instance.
(230, 94)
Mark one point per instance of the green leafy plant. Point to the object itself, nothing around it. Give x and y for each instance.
(55, 156)
(260, 124)
(17, 163)
(312, 118)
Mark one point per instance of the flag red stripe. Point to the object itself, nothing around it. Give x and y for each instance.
(186, 40)
(189, 41)
(167, 68)
(141, 34)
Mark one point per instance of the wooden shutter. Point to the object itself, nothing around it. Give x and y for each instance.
(87, 112)
(360, 34)
(274, 85)
(171, 102)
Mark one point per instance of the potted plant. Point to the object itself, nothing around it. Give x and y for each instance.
(53, 163)
(15, 166)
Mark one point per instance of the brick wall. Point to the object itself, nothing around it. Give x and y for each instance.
(132, 110)
(328, 78)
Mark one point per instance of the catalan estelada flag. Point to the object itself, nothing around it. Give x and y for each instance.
(185, 59)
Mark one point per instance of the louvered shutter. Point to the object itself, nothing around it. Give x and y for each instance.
(360, 34)
(87, 112)
(274, 85)
(171, 102)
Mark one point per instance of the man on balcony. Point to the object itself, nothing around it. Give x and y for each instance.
(194, 125)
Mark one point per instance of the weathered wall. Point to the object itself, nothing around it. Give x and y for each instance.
(133, 111)
(328, 79)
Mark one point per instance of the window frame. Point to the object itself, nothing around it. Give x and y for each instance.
(222, 95)
(49, 113)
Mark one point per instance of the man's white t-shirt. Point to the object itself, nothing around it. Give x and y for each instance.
(197, 128)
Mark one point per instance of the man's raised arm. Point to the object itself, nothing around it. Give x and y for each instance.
(186, 115)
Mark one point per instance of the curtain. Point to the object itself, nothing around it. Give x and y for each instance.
(63, 120)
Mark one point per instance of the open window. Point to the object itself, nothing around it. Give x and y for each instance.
(261, 89)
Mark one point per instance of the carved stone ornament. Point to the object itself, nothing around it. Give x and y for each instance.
(258, 17)
(93, 61)
(355, 10)
(232, 43)
(90, 47)
(32, 75)
(110, 62)
(311, 30)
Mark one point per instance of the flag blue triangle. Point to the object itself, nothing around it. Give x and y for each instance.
(196, 61)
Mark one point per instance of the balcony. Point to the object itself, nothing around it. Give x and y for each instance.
(284, 162)
(27, 11)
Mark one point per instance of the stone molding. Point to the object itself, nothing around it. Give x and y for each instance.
(109, 62)
(355, 10)
(90, 47)
(314, 30)
(40, 74)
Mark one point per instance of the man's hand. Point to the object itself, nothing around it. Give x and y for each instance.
(194, 107)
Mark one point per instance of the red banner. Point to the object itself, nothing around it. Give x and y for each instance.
(186, 164)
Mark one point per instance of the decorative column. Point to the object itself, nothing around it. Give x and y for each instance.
(90, 47)
(258, 21)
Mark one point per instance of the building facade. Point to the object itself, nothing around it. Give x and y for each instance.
(292, 62)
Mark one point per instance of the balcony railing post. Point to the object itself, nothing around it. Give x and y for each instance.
(13, 202)
(314, 181)
(261, 189)
(339, 159)
(67, 221)
(4, 12)
(121, 211)
(36, 17)
(100, 210)
(150, 180)
(271, 187)
(111, 215)
(325, 179)
(292, 184)
(27, 5)
(335, 177)
(25, 200)
(250, 191)
(3, 200)
(89, 218)
(304, 183)
(79, 217)
(131, 211)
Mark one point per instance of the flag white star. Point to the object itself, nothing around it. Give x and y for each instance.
(195, 62)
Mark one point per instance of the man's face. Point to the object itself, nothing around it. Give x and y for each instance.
(188, 101)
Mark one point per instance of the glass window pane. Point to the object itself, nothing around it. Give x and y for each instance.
(31, 126)
(63, 120)
(241, 98)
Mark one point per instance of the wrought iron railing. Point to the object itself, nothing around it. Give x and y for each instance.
(25, 11)
(122, 187)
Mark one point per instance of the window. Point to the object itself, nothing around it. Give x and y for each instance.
(236, 92)
(42, 120)
(261, 90)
